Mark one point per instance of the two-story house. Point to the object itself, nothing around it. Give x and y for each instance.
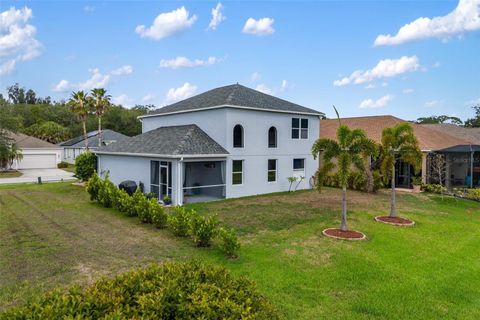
(228, 142)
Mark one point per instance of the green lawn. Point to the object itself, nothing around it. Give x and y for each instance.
(70, 168)
(50, 235)
(10, 174)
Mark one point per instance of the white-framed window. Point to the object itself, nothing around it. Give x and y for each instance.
(299, 165)
(272, 170)
(299, 128)
(272, 137)
(238, 136)
(237, 172)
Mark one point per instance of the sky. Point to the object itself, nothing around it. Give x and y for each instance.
(405, 58)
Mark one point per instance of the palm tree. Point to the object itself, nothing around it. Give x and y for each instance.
(400, 142)
(79, 104)
(15, 154)
(349, 150)
(101, 103)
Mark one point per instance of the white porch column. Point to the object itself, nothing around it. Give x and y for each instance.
(424, 167)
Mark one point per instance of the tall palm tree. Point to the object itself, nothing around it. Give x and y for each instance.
(101, 103)
(398, 142)
(349, 150)
(79, 104)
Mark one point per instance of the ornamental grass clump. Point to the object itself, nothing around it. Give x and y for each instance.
(203, 229)
(189, 290)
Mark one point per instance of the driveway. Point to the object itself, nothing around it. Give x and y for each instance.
(31, 175)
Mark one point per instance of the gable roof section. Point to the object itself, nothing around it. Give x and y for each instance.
(428, 139)
(234, 96)
(24, 142)
(92, 139)
(167, 141)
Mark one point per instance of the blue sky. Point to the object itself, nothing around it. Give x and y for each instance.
(303, 51)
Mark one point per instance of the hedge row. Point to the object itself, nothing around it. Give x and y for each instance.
(472, 194)
(356, 181)
(170, 291)
(182, 221)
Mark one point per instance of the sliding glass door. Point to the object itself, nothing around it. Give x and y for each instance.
(161, 178)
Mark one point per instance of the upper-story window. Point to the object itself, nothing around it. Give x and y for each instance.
(272, 137)
(238, 136)
(299, 128)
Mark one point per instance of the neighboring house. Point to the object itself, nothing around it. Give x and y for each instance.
(228, 142)
(73, 147)
(461, 147)
(37, 153)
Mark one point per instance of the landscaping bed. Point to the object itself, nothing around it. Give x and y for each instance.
(397, 221)
(346, 235)
(10, 174)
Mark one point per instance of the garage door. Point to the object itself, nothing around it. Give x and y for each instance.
(38, 161)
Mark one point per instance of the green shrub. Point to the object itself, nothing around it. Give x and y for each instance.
(107, 192)
(63, 165)
(230, 243)
(170, 291)
(93, 186)
(203, 229)
(434, 188)
(356, 181)
(473, 194)
(159, 217)
(142, 207)
(126, 203)
(85, 165)
(179, 221)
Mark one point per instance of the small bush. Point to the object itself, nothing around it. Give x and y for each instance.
(434, 188)
(93, 186)
(179, 221)
(159, 217)
(126, 203)
(170, 291)
(142, 207)
(85, 165)
(107, 193)
(356, 181)
(230, 243)
(203, 229)
(63, 165)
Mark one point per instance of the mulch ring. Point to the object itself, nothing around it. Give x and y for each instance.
(396, 221)
(345, 235)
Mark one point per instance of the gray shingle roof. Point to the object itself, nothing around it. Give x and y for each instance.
(171, 141)
(92, 140)
(236, 96)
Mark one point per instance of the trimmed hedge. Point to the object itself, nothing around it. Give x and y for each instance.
(182, 222)
(356, 181)
(170, 291)
(85, 165)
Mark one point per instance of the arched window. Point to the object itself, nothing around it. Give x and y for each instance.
(238, 136)
(272, 137)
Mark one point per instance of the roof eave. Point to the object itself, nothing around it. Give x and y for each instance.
(318, 113)
(155, 155)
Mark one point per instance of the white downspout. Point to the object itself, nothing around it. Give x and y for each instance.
(180, 182)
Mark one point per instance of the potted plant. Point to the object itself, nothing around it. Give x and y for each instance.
(167, 200)
(416, 182)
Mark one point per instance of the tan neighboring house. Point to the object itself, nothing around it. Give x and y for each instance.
(461, 147)
(37, 153)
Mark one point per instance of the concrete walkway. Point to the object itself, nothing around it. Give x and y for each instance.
(47, 175)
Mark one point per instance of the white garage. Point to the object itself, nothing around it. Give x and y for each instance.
(37, 153)
(38, 161)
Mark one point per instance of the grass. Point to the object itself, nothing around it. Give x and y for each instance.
(50, 235)
(10, 174)
(70, 168)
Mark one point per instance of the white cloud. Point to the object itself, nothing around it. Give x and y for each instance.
(148, 98)
(285, 85)
(371, 86)
(260, 27)
(123, 100)
(88, 8)
(217, 17)
(17, 39)
(379, 103)
(62, 86)
(263, 88)
(437, 64)
(183, 62)
(123, 71)
(255, 76)
(472, 102)
(464, 18)
(180, 93)
(96, 80)
(167, 24)
(407, 91)
(384, 69)
(432, 103)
